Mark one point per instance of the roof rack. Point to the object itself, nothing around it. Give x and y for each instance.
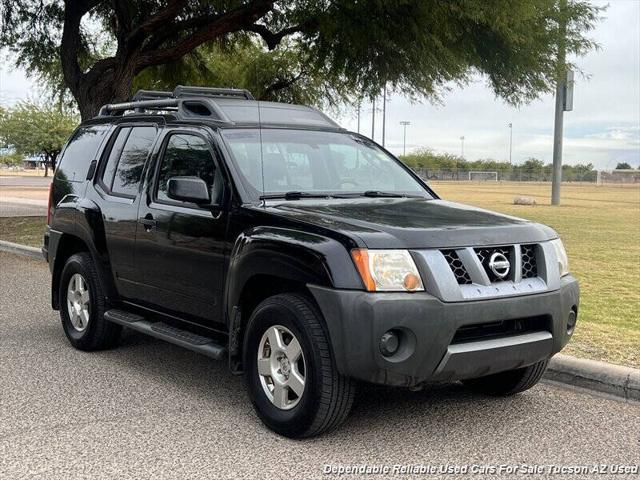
(197, 103)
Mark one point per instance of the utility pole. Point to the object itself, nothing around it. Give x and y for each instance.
(462, 147)
(510, 141)
(404, 124)
(384, 112)
(359, 105)
(564, 102)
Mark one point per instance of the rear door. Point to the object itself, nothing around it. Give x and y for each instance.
(180, 246)
(118, 185)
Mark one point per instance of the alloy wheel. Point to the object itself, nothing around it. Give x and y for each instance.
(281, 367)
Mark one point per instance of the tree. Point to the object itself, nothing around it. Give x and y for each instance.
(36, 129)
(623, 166)
(418, 47)
(280, 75)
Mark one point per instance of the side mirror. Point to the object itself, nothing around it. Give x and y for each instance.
(188, 189)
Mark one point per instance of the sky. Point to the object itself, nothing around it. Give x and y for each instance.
(603, 128)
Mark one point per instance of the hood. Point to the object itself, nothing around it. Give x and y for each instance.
(412, 222)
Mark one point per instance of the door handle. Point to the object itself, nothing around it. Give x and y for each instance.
(148, 222)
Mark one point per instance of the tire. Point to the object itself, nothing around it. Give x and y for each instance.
(327, 396)
(509, 382)
(86, 331)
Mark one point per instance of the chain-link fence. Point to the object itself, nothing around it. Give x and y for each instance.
(523, 175)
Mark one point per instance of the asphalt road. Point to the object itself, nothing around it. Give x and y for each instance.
(24, 181)
(151, 410)
(23, 196)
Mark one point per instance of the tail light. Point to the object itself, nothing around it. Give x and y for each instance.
(50, 203)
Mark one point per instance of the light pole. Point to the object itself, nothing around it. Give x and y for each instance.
(461, 156)
(359, 105)
(384, 112)
(373, 120)
(510, 141)
(404, 124)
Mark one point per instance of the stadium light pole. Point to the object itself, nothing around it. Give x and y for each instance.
(404, 124)
(510, 141)
(564, 103)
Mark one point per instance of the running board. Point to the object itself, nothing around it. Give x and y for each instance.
(177, 336)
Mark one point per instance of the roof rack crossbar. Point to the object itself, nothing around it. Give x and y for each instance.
(151, 95)
(187, 91)
(112, 108)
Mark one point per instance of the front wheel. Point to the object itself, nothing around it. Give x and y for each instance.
(509, 382)
(290, 370)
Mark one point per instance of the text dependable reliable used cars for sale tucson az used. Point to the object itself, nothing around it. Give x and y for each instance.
(304, 255)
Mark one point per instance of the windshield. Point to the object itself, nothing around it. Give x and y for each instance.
(312, 162)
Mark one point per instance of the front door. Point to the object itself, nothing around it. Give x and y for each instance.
(180, 246)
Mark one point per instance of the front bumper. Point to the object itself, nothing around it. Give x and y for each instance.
(356, 320)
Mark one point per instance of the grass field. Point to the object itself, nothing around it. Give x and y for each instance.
(600, 227)
(23, 230)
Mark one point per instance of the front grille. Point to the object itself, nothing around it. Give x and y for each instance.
(484, 255)
(529, 265)
(504, 328)
(458, 269)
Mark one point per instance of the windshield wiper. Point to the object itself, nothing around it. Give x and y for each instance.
(378, 193)
(294, 195)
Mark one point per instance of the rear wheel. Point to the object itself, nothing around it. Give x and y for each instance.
(509, 382)
(290, 370)
(82, 306)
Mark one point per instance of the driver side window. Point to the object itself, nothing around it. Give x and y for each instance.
(188, 155)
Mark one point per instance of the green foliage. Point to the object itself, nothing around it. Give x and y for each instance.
(419, 47)
(282, 75)
(446, 166)
(10, 159)
(623, 166)
(32, 128)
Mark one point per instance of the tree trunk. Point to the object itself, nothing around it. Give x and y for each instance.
(46, 169)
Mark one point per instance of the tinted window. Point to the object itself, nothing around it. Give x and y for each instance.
(188, 156)
(132, 159)
(80, 151)
(276, 161)
(114, 155)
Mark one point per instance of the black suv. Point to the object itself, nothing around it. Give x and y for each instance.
(304, 255)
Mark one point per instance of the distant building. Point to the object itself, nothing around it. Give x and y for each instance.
(32, 163)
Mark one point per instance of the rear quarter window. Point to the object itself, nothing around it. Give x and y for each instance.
(80, 151)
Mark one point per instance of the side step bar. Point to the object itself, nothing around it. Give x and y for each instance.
(182, 338)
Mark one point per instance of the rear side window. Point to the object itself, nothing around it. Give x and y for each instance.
(126, 161)
(80, 151)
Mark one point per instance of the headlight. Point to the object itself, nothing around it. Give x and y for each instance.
(387, 270)
(561, 255)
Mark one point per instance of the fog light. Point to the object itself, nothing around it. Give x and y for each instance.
(389, 343)
(571, 320)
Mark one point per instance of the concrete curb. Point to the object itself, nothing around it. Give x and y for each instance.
(18, 249)
(602, 377)
(599, 376)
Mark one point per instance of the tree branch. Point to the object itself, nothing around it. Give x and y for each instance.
(160, 19)
(121, 9)
(70, 44)
(232, 21)
(273, 39)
